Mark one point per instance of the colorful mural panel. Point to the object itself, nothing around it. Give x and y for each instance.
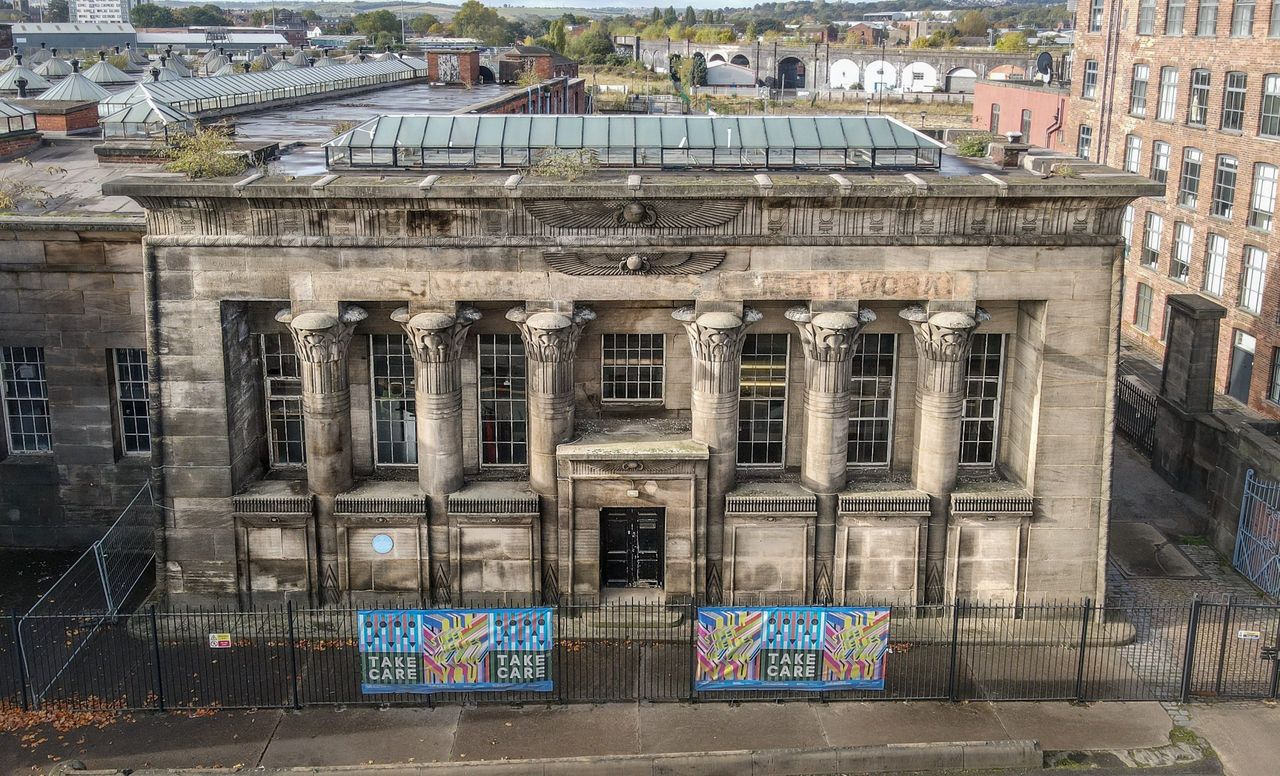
(450, 650)
(803, 648)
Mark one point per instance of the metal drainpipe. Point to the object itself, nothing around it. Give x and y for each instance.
(155, 392)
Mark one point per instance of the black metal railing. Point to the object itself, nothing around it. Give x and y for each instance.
(292, 657)
(1136, 416)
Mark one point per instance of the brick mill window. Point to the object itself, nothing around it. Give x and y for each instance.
(1242, 18)
(1262, 200)
(1126, 229)
(1160, 161)
(1138, 90)
(1175, 17)
(1089, 89)
(762, 405)
(1233, 101)
(1224, 186)
(1198, 105)
(631, 367)
(1273, 29)
(1151, 239)
(1084, 141)
(282, 387)
(1269, 124)
(1146, 17)
(133, 400)
(502, 389)
(1095, 15)
(1215, 264)
(993, 123)
(1273, 386)
(394, 408)
(1252, 279)
(871, 411)
(980, 420)
(1207, 19)
(1132, 153)
(1189, 181)
(26, 400)
(1167, 110)
(1180, 261)
(1142, 308)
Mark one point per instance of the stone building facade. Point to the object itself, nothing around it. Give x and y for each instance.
(874, 388)
(1188, 94)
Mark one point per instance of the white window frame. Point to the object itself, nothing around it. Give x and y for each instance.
(480, 400)
(1199, 94)
(1143, 305)
(1253, 279)
(1146, 17)
(1170, 28)
(1089, 84)
(1207, 19)
(1167, 106)
(1152, 237)
(10, 357)
(1126, 230)
(1137, 108)
(269, 395)
(1191, 158)
(1226, 175)
(1243, 15)
(119, 382)
(1262, 196)
(1269, 111)
(408, 398)
(1216, 249)
(1160, 151)
(1132, 153)
(1096, 8)
(1180, 258)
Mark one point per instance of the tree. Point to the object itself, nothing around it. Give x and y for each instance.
(1012, 42)
(690, 18)
(474, 20)
(376, 21)
(592, 47)
(422, 24)
(57, 11)
(974, 24)
(557, 37)
(699, 74)
(310, 16)
(669, 17)
(752, 32)
(203, 16)
(151, 15)
(656, 16)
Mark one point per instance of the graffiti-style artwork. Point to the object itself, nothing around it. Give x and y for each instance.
(448, 650)
(804, 648)
(448, 70)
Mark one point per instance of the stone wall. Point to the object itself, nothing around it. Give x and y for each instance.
(74, 289)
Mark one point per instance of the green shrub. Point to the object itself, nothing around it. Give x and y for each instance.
(974, 145)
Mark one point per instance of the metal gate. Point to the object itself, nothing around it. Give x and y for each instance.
(1257, 554)
(1232, 651)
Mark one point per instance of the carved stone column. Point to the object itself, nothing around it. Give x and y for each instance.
(321, 340)
(829, 340)
(550, 342)
(435, 340)
(943, 341)
(716, 341)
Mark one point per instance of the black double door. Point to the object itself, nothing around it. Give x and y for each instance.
(631, 542)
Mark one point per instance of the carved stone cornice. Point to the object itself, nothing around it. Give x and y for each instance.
(943, 342)
(321, 341)
(634, 214)
(436, 340)
(829, 340)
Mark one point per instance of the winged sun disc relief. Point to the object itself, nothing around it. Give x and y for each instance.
(578, 263)
(634, 214)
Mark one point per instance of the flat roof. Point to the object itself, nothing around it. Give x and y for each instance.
(707, 142)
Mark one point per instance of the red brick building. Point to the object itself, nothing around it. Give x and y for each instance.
(1188, 93)
(1038, 111)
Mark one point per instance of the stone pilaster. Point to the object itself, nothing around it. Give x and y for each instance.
(436, 340)
(321, 340)
(716, 339)
(943, 341)
(550, 342)
(829, 340)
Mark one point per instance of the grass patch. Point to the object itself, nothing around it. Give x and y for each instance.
(1194, 540)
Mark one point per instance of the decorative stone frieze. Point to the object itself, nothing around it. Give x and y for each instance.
(646, 263)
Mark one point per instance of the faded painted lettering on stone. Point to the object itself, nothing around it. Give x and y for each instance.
(906, 286)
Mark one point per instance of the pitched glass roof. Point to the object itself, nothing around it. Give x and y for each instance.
(751, 142)
(196, 95)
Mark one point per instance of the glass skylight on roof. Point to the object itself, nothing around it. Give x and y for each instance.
(667, 142)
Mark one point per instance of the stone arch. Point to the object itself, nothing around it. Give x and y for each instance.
(791, 73)
(715, 58)
(844, 74)
(486, 75)
(920, 77)
(879, 76)
(960, 80)
(740, 59)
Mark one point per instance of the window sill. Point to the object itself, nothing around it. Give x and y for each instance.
(1258, 231)
(1234, 132)
(1200, 127)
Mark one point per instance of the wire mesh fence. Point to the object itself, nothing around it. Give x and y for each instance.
(293, 658)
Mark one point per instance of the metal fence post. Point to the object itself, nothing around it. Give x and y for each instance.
(19, 656)
(1084, 646)
(102, 575)
(1222, 645)
(1189, 651)
(954, 668)
(155, 649)
(293, 658)
(692, 649)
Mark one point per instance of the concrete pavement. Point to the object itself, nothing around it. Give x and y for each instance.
(1246, 736)
(360, 736)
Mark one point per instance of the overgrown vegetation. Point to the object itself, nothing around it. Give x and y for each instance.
(974, 145)
(342, 127)
(16, 191)
(569, 165)
(208, 152)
